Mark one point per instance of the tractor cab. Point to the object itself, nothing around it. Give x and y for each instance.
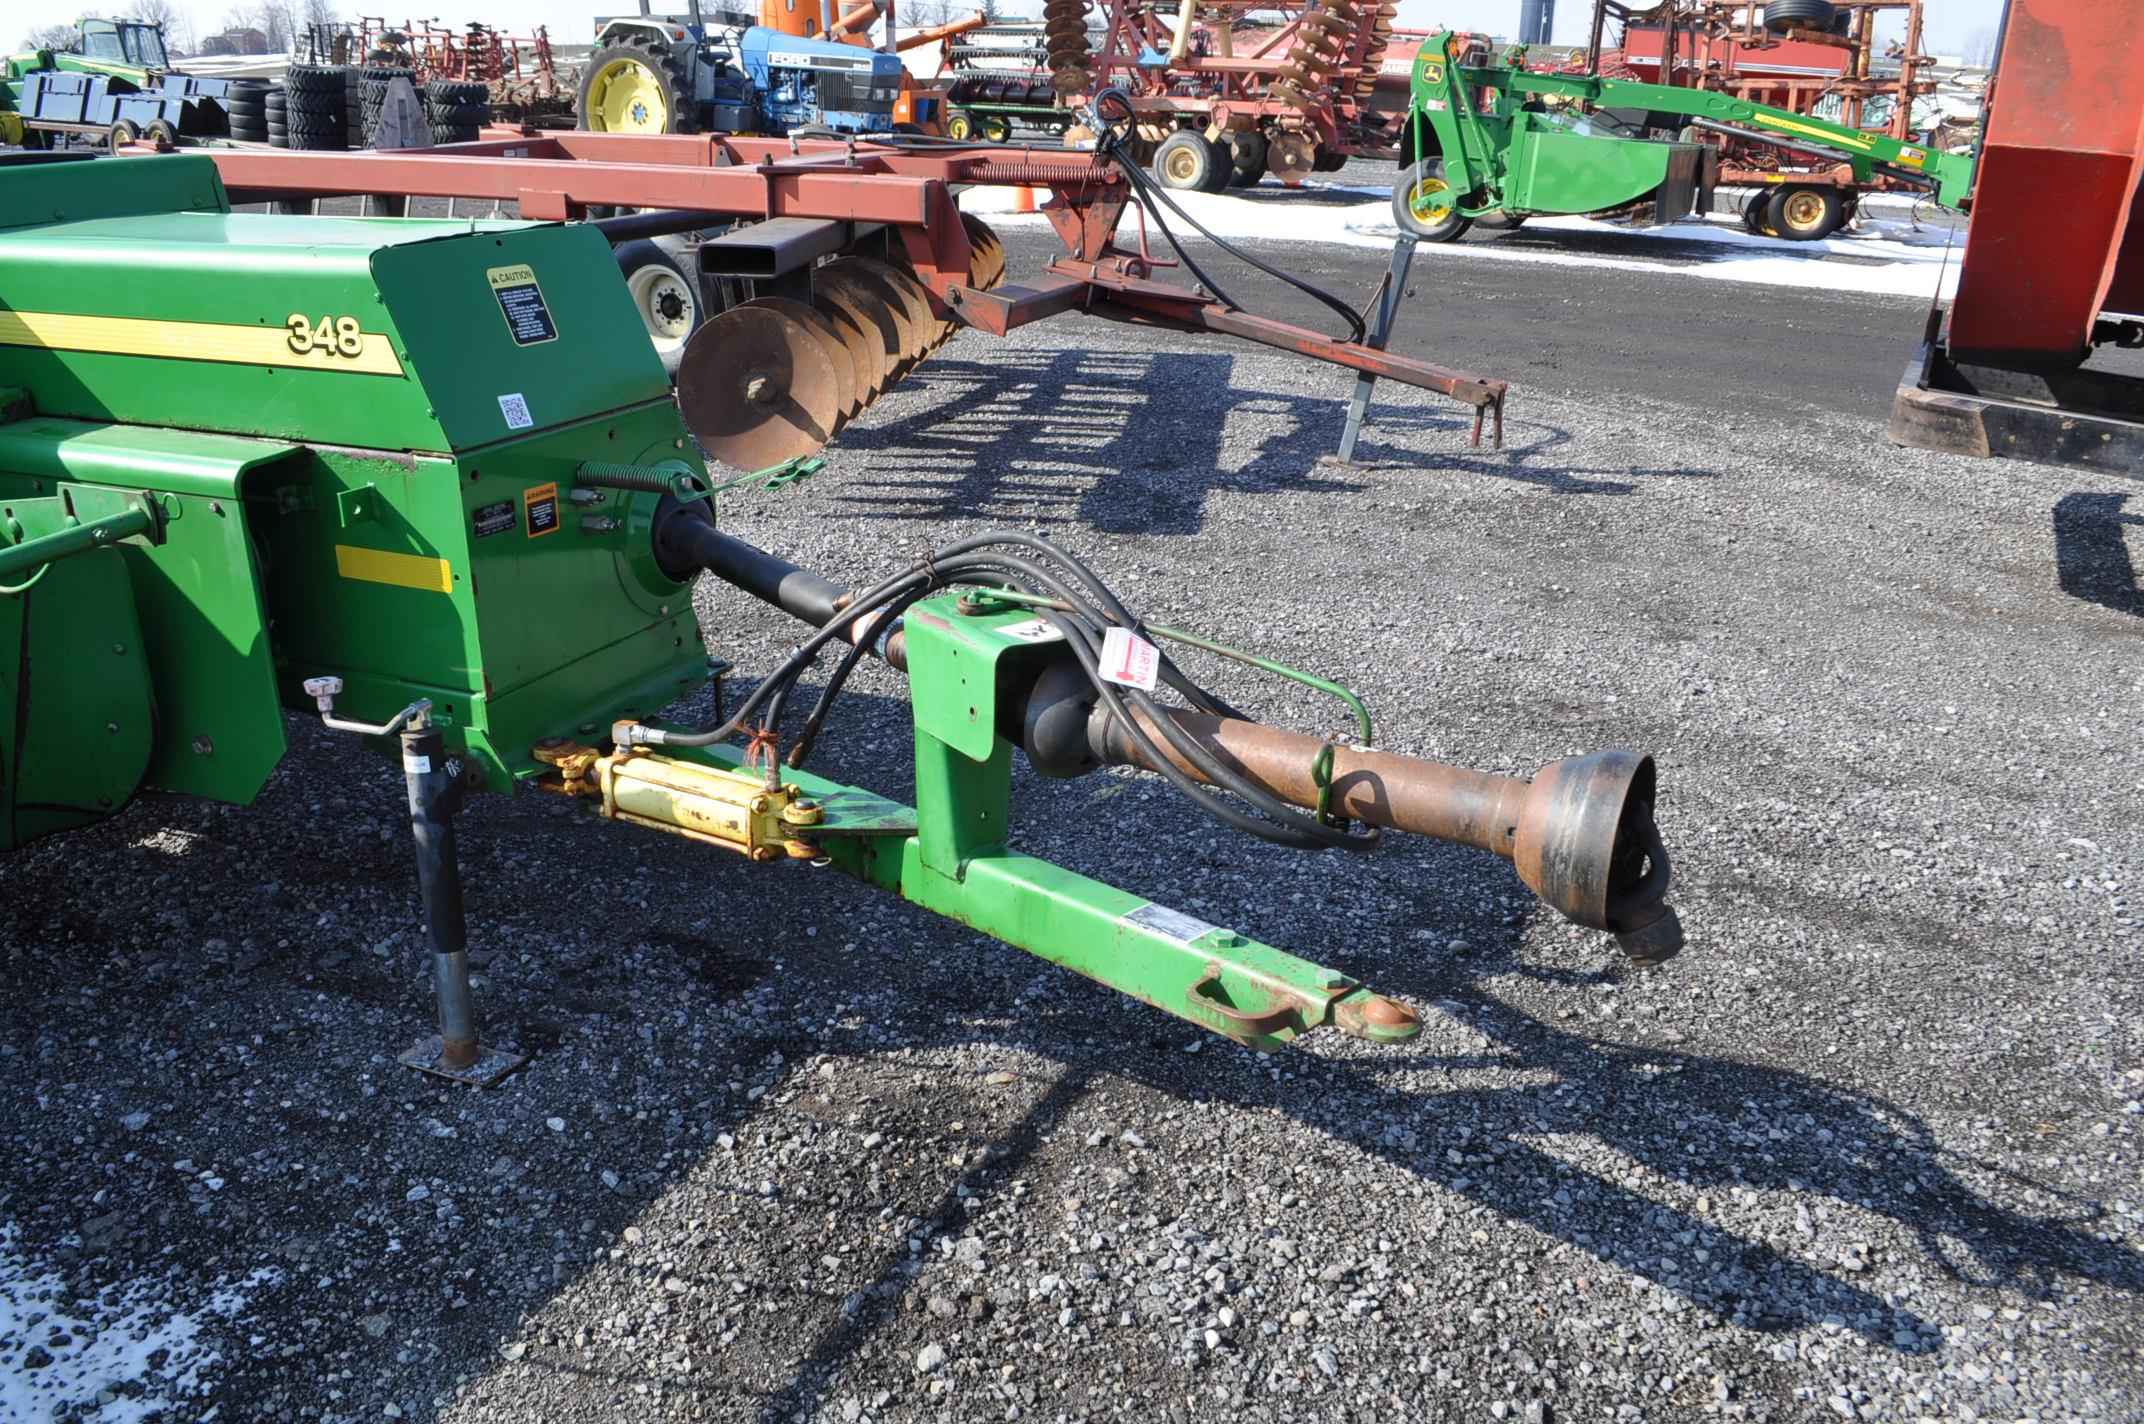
(118, 44)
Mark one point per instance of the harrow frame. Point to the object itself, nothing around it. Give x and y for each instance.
(555, 175)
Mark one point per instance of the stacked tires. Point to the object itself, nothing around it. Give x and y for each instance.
(458, 108)
(245, 109)
(317, 107)
(276, 105)
(372, 85)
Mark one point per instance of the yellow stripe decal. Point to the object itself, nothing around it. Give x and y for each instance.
(190, 341)
(401, 570)
(1834, 139)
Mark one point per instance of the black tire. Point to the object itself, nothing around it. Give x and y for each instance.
(679, 115)
(249, 133)
(460, 115)
(1450, 227)
(163, 133)
(1501, 222)
(125, 131)
(1328, 161)
(1754, 220)
(1247, 159)
(1186, 162)
(278, 138)
(1803, 212)
(255, 102)
(457, 92)
(961, 127)
(666, 298)
(275, 104)
(1783, 15)
(314, 79)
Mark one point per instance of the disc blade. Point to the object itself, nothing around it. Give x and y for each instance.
(837, 350)
(756, 388)
(886, 308)
(867, 345)
(922, 323)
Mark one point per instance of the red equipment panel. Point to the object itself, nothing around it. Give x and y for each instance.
(2056, 235)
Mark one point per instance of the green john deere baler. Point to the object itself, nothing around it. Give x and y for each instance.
(426, 481)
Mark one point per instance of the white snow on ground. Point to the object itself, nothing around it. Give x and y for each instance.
(1884, 254)
(132, 1342)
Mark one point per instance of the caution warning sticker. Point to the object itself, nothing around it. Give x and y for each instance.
(528, 320)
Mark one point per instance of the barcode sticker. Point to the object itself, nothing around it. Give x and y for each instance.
(1129, 660)
(516, 410)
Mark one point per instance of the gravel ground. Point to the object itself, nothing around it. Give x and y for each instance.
(790, 1151)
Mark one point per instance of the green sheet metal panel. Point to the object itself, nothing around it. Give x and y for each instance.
(476, 582)
(1555, 166)
(76, 712)
(380, 333)
(198, 594)
(518, 328)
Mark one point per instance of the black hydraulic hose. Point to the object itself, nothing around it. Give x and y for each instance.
(1081, 622)
(1110, 145)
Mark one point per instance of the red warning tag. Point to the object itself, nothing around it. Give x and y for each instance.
(1129, 660)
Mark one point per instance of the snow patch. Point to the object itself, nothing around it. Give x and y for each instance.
(60, 1351)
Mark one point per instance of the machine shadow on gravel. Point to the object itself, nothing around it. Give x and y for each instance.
(991, 454)
(2092, 558)
(984, 446)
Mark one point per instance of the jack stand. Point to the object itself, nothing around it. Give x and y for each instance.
(436, 792)
(1388, 310)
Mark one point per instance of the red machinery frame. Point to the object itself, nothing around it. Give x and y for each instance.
(2005, 373)
(558, 175)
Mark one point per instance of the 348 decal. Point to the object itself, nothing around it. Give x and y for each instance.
(331, 335)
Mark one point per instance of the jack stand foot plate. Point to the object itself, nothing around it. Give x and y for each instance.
(491, 1066)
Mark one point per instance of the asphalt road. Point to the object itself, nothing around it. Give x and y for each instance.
(1867, 1150)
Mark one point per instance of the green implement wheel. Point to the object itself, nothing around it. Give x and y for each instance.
(1425, 205)
(634, 86)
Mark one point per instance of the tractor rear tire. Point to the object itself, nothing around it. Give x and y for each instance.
(1783, 15)
(1186, 162)
(1803, 212)
(665, 296)
(634, 86)
(1247, 154)
(1425, 180)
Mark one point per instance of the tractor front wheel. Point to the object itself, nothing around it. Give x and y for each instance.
(634, 86)
(1801, 213)
(1425, 205)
